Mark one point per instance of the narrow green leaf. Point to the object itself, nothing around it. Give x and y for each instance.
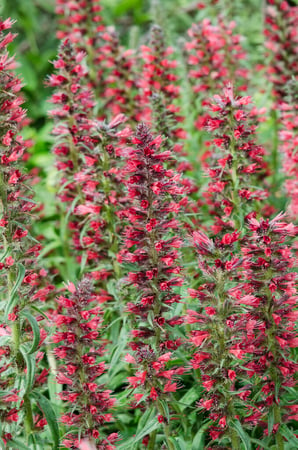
(270, 421)
(165, 408)
(289, 435)
(241, 433)
(261, 444)
(114, 364)
(2, 446)
(4, 254)
(190, 397)
(48, 248)
(15, 443)
(13, 298)
(4, 340)
(35, 330)
(198, 442)
(178, 443)
(147, 416)
(150, 426)
(46, 407)
(30, 367)
(39, 311)
(30, 200)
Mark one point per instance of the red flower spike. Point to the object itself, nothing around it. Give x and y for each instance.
(227, 194)
(79, 365)
(21, 279)
(153, 251)
(80, 22)
(88, 161)
(281, 40)
(272, 328)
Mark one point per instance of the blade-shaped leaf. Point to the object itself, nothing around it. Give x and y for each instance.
(242, 434)
(30, 368)
(35, 330)
(46, 407)
(13, 298)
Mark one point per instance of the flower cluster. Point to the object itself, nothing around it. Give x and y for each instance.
(270, 319)
(212, 52)
(236, 162)
(80, 22)
(20, 277)
(85, 150)
(216, 334)
(288, 145)
(281, 41)
(79, 351)
(151, 243)
(117, 67)
(159, 78)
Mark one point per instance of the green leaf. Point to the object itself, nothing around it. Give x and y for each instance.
(15, 443)
(114, 364)
(30, 366)
(48, 248)
(4, 340)
(178, 443)
(29, 200)
(13, 298)
(39, 311)
(190, 397)
(241, 433)
(35, 330)
(198, 442)
(150, 426)
(164, 408)
(289, 435)
(46, 407)
(260, 443)
(4, 254)
(147, 416)
(2, 446)
(270, 421)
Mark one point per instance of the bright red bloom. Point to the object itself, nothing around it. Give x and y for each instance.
(153, 192)
(80, 365)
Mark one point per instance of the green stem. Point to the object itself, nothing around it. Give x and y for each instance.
(275, 153)
(277, 420)
(235, 441)
(151, 444)
(237, 210)
(28, 421)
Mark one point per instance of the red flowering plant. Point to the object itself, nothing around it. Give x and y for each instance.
(86, 152)
(118, 65)
(215, 55)
(288, 144)
(214, 52)
(270, 327)
(80, 22)
(281, 41)
(218, 319)
(79, 351)
(216, 336)
(151, 244)
(160, 91)
(110, 71)
(159, 78)
(281, 36)
(20, 277)
(237, 167)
